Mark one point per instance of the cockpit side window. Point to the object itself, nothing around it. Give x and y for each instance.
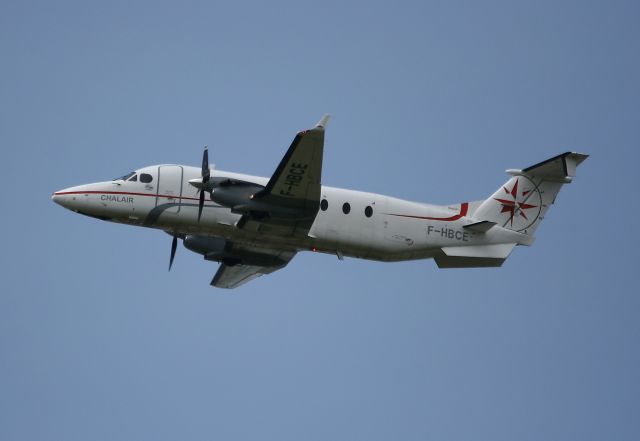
(133, 178)
(146, 178)
(125, 177)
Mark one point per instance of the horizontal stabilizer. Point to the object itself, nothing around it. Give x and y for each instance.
(480, 227)
(499, 251)
(468, 262)
(559, 167)
(475, 256)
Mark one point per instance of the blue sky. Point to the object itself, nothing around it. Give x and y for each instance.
(431, 101)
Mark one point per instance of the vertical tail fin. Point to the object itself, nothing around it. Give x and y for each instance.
(521, 203)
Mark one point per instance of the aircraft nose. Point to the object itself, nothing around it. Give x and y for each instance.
(61, 198)
(69, 197)
(80, 199)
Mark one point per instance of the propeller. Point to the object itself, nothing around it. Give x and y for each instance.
(174, 245)
(205, 179)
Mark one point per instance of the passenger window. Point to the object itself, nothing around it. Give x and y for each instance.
(368, 211)
(133, 178)
(346, 208)
(324, 205)
(146, 178)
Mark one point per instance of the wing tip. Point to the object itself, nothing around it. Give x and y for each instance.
(324, 121)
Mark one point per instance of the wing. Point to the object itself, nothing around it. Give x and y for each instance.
(241, 264)
(294, 187)
(233, 276)
(296, 182)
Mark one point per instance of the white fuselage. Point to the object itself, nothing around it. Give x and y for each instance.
(391, 229)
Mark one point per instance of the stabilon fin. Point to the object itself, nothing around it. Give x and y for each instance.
(480, 227)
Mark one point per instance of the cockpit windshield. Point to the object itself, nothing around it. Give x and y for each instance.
(125, 177)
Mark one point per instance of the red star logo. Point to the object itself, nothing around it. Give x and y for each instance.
(511, 207)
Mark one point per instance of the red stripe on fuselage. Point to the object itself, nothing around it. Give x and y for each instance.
(126, 193)
(464, 208)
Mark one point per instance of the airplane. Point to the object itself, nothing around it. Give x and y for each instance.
(254, 225)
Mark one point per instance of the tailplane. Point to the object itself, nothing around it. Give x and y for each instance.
(521, 203)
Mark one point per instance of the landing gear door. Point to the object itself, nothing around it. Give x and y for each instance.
(169, 188)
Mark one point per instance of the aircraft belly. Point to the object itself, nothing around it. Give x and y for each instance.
(347, 241)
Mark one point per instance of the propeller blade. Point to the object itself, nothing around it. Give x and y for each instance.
(174, 245)
(200, 204)
(205, 165)
(205, 179)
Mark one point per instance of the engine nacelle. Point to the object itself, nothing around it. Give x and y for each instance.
(204, 245)
(245, 198)
(221, 250)
(231, 192)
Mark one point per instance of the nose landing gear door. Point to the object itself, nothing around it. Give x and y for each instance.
(169, 188)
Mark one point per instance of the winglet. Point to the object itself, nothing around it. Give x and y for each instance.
(322, 124)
